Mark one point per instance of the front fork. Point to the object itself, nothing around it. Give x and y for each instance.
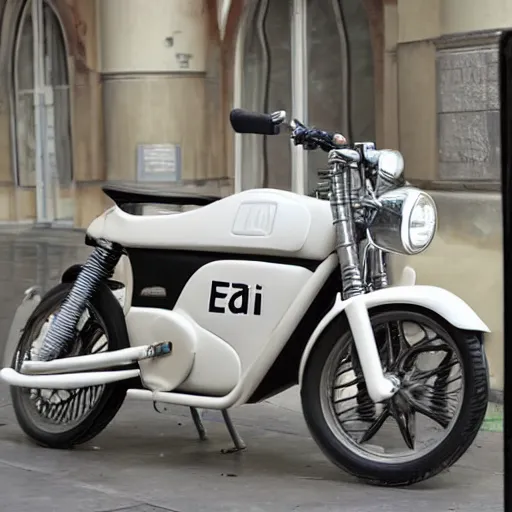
(99, 266)
(345, 181)
(375, 277)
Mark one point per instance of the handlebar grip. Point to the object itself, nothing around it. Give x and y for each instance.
(243, 121)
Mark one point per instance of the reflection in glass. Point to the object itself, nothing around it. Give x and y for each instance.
(54, 129)
(340, 81)
(267, 88)
(340, 60)
(24, 104)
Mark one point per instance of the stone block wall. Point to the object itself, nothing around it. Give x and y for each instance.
(468, 113)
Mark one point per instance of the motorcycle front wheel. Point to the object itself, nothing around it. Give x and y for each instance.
(426, 427)
(64, 418)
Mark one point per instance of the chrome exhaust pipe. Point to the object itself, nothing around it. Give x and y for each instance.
(65, 373)
(65, 381)
(96, 361)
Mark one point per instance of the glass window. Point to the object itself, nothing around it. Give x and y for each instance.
(51, 127)
(340, 86)
(58, 111)
(24, 102)
(340, 71)
(266, 87)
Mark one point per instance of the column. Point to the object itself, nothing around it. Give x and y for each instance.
(153, 61)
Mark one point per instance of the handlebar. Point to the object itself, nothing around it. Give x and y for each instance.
(243, 121)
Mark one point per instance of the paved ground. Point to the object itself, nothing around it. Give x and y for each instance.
(149, 462)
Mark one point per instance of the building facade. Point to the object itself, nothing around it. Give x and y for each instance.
(139, 92)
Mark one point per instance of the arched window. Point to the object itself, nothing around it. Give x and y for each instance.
(338, 92)
(24, 111)
(42, 121)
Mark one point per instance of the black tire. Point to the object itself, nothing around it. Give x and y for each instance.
(463, 432)
(105, 305)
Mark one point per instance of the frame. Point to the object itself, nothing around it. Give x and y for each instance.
(506, 169)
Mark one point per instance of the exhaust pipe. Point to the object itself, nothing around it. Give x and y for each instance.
(62, 373)
(96, 361)
(66, 381)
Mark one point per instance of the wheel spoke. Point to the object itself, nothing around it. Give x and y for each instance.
(397, 343)
(407, 359)
(390, 348)
(375, 426)
(405, 418)
(443, 368)
(441, 417)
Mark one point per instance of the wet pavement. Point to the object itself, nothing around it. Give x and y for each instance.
(147, 461)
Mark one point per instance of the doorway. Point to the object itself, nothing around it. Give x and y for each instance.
(42, 116)
(314, 59)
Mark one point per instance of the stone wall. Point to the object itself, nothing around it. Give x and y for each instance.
(468, 113)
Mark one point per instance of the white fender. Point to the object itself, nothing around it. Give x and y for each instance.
(446, 304)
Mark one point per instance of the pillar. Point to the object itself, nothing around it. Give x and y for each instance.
(153, 61)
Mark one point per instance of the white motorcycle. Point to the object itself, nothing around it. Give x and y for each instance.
(243, 297)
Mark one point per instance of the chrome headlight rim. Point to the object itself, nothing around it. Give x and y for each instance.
(390, 229)
(411, 202)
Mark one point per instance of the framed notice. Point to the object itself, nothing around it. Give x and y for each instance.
(158, 162)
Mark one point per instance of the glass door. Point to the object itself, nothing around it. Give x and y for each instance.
(266, 83)
(42, 114)
(314, 59)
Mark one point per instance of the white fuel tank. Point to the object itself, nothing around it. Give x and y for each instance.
(259, 221)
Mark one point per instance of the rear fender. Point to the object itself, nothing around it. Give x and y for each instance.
(30, 302)
(438, 300)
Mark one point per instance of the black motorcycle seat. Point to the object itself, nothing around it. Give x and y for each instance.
(122, 194)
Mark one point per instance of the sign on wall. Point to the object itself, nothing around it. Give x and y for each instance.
(158, 162)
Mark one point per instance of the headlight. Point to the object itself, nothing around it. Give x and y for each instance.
(406, 223)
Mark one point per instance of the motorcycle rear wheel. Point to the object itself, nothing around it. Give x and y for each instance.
(62, 419)
(354, 453)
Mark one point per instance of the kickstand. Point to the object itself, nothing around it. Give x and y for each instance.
(235, 436)
(198, 422)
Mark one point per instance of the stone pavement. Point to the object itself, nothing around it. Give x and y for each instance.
(148, 462)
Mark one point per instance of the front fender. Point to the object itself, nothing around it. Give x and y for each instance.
(446, 304)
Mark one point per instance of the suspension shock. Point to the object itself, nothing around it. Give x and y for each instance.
(378, 271)
(99, 266)
(346, 242)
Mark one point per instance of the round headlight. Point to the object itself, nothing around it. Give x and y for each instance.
(406, 222)
(422, 223)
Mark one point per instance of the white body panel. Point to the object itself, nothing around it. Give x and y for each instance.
(200, 361)
(148, 325)
(246, 333)
(447, 305)
(253, 375)
(259, 221)
(212, 350)
(217, 369)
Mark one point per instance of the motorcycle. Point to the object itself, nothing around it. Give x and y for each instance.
(243, 297)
